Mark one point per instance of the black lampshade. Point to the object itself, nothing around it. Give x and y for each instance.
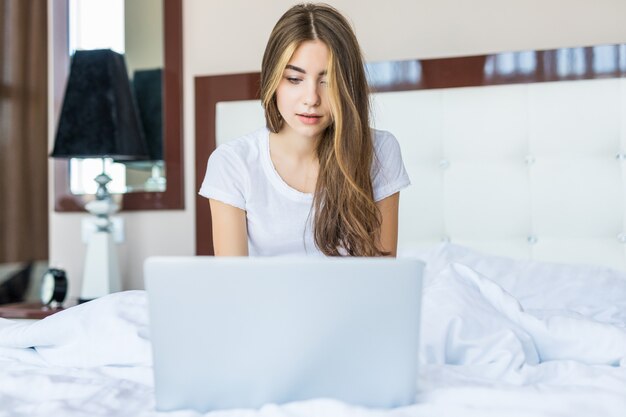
(148, 88)
(99, 116)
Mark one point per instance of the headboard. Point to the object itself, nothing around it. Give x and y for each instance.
(519, 154)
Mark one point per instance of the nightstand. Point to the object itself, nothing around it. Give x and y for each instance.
(28, 311)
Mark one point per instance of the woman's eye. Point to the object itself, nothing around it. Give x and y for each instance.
(293, 80)
(324, 82)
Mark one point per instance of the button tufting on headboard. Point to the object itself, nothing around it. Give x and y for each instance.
(488, 164)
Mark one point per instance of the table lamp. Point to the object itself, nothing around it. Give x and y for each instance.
(99, 119)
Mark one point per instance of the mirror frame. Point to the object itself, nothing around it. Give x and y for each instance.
(173, 141)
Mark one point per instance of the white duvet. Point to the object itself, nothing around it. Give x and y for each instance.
(499, 338)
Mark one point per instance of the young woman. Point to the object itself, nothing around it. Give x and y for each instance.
(317, 180)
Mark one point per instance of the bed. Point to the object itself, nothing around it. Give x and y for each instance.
(524, 308)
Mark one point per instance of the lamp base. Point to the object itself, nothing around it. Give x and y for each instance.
(101, 274)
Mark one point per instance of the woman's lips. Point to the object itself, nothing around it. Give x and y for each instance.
(309, 119)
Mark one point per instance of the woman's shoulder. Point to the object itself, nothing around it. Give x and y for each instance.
(388, 173)
(380, 137)
(387, 153)
(383, 141)
(232, 166)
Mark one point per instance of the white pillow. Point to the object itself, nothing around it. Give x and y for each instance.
(592, 291)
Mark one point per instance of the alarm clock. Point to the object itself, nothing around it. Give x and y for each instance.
(53, 287)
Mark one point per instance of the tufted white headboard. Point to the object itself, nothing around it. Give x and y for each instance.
(527, 170)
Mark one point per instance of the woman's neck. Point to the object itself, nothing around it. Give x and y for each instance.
(295, 160)
(290, 144)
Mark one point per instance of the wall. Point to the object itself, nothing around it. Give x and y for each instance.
(228, 36)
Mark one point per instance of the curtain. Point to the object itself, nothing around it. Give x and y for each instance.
(23, 131)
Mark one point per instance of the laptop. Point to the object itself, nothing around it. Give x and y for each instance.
(243, 332)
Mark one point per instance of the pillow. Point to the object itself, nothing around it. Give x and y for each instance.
(595, 292)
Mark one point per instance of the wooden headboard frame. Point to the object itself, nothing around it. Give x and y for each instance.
(484, 70)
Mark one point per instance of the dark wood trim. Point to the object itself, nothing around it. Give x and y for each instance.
(566, 64)
(61, 69)
(173, 139)
(30, 310)
(605, 61)
(209, 91)
(60, 63)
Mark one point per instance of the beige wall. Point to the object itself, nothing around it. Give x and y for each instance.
(228, 36)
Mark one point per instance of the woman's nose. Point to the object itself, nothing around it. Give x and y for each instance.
(312, 94)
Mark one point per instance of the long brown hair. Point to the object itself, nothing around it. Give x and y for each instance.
(346, 219)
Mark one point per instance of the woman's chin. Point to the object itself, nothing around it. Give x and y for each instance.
(308, 131)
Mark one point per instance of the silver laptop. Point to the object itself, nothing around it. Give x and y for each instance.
(244, 332)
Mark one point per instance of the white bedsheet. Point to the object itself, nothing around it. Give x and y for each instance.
(499, 338)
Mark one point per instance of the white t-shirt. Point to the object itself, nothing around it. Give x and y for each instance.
(279, 218)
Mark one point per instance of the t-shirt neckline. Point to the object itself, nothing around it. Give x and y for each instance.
(274, 177)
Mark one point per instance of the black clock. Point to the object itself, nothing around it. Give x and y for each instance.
(53, 287)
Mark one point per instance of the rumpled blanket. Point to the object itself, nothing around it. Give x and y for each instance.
(489, 325)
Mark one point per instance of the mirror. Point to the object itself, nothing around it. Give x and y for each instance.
(147, 47)
(135, 30)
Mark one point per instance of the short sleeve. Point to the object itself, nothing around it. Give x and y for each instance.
(388, 173)
(225, 179)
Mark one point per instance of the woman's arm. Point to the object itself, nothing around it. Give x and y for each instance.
(389, 225)
(230, 234)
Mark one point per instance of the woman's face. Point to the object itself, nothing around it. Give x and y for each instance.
(301, 95)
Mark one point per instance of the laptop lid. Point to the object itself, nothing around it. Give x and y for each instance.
(244, 332)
